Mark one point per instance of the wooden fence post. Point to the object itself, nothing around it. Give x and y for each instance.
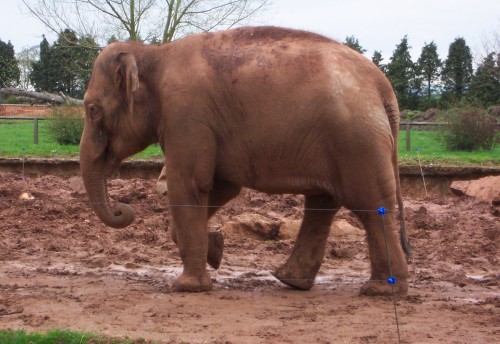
(35, 131)
(408, 137)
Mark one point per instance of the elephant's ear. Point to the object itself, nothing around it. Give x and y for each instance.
(126, 77)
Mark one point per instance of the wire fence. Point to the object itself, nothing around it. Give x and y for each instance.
(406, 126)
(35, 120)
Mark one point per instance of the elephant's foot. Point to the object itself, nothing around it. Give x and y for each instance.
(192, 283)
(215, 249)
(383, 288)
(161, 188)
(294, 278)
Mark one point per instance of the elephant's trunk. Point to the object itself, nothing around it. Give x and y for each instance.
(94, 180)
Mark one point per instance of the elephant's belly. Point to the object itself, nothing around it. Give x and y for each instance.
(278, 175)
(286, 184)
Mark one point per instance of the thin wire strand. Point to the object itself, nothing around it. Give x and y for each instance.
(422, 172)
(391, 276)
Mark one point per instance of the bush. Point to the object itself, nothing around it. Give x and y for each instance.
(66, 127)
(470, 129)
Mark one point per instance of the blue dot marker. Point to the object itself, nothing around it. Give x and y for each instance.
(381, 211)
(391, 280)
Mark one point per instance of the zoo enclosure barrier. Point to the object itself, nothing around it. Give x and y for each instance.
(35, 123)
(406, 125)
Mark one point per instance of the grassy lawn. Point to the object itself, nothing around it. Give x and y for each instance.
(426, 146)
(16, 140)
(59, 337)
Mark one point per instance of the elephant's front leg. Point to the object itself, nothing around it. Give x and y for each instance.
(301, 268)
(221, 193)
(188, 204)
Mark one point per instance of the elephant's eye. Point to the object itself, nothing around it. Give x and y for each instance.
(94, 112)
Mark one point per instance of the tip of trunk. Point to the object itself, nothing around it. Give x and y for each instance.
(122, 216)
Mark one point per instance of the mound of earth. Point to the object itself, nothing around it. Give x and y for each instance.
(60, 267)
(486, 189)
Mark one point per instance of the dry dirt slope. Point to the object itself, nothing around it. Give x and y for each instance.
(61, 268)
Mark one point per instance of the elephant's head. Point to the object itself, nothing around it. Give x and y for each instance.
(117, 125)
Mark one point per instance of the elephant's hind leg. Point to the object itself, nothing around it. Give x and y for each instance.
(382, 239)
(301, 268)
(386, 254)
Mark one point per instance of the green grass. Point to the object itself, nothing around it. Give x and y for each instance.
(16, 140)
(59, 337)
(427, 147)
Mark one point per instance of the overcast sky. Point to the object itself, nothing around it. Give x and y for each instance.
(378, 24)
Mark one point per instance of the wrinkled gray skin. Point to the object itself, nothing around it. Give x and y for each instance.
(276, 110)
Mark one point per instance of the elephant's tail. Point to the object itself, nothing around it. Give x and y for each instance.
(392, 110)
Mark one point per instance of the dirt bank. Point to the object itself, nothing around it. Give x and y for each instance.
(62, 268)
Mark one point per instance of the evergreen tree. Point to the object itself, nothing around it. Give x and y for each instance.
(41, 73)
(9, 69)
(457, 72)
(377, 59)
(401, 73)
(485, 86)
(429, 66)
(66, 65)
(353, 43)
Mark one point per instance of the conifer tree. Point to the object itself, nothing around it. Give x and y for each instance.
(457, 71)
(377, 59)
(485, 86)
(353, 43)
(401, 73)
(429, 66)
(65, 66)
(9, 70)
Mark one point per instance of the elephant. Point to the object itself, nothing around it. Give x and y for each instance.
(272, 109)
(161, 187)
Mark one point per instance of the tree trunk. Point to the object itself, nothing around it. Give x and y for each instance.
(49, 97)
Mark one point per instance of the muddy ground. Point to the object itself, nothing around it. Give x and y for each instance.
(60, 267)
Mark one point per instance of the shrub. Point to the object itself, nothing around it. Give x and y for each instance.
(470, 129)
(66, 126)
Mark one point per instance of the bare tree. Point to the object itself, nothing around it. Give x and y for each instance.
(99, 19)
(25, 60)
(189, 16)
(490, 43)
(142, 20)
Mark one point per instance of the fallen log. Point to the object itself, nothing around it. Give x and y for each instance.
(44, 96)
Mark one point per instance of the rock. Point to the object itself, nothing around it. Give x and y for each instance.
(261, 227)
(343, 251)
(344, 228)
(486, 189)
(253, 226)
(26, 196)
(76, 184)
(289, 229)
